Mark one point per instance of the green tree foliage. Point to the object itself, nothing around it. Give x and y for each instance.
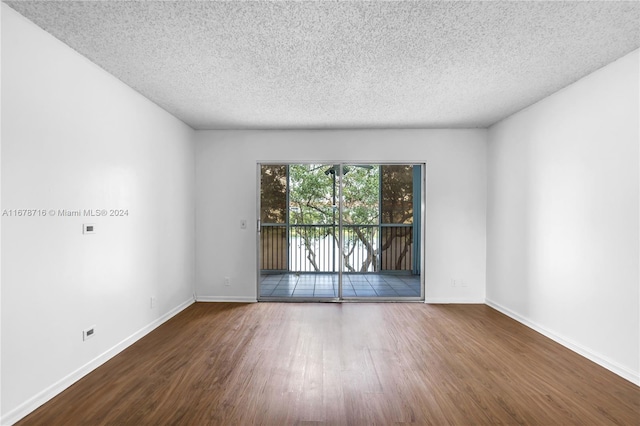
(314, 192)
(273, 193)
(361, 195)
(314, 187)
(311, 195)
(397, 194)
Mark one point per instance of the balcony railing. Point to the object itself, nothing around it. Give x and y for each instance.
(314, 248)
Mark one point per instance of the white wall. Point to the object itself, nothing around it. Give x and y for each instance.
(74, 137)
(226, 178)
(562, 229)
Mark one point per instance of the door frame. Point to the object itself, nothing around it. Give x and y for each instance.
(421, 232)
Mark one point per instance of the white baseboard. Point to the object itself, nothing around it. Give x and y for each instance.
(601, 360)
(452, 300)
(47, 394)
(238, 299)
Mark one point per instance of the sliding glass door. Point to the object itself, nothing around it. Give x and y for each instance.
(340, 231)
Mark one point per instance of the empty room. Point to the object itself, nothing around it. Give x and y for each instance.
(320, 212)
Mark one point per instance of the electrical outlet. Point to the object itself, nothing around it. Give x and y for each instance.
(153, 302)
(227, 281)
(88, 333)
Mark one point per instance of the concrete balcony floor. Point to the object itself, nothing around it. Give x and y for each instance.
(310, 286)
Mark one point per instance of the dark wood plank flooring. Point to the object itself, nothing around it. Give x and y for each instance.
(344, 364)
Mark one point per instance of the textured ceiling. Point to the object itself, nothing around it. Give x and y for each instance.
(327, 64)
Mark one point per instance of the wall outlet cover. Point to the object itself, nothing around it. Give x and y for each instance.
(88, 333)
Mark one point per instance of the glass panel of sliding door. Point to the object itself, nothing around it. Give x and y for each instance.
(360, 212)
(310, 271)
(313, 224)
(273, 232)
(380, 257)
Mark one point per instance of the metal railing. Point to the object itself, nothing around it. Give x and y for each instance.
(274, 248)
(314, 248)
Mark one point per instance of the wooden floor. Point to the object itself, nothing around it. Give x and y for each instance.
(344, 364)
